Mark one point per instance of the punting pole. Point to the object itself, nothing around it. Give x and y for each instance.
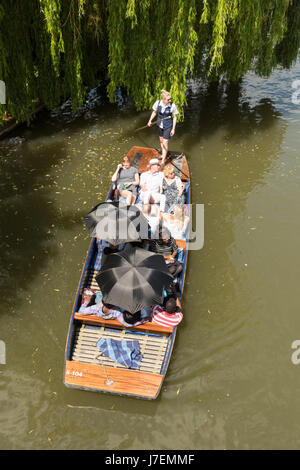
(155, 122)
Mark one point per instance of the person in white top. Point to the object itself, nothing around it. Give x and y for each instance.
(150, 183)
(154, 217)
(177, 223)
(166, 112)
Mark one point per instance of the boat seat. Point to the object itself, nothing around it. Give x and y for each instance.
(147, 327)
(181, 243)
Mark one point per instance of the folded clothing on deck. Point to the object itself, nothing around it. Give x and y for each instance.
(125, 352)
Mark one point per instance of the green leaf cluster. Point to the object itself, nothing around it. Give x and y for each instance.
(51, 50)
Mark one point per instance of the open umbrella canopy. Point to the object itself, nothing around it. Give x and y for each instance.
(117, 223)
(134, 278)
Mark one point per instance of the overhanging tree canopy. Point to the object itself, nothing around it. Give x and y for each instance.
(53, 49)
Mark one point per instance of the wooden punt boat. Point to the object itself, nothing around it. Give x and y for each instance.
(82, 368)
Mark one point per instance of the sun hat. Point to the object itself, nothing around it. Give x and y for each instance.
(154, 161)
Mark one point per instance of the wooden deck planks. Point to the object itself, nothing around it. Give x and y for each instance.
(153, 348)
(90, 340)
(90, 280)
(102, 360)
(149, 350)
(125, 381)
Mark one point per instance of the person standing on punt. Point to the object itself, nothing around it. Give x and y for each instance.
(164, 108)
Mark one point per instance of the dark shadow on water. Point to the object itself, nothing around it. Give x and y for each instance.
(27, 215)
(216, 105)
(223, 108)
(28, 208)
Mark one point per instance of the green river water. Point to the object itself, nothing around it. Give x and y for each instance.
(231, 383)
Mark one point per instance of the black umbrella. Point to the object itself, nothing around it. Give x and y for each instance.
(134, 278)
(117, 223)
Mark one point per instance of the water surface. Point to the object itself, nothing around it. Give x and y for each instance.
(231, 383)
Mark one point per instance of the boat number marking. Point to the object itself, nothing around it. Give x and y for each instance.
(74, 373)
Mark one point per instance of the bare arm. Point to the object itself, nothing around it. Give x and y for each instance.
(174, 125)
(180, 185)
(115, 176)
(143, 182)
(153, 114)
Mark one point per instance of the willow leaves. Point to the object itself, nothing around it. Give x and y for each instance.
(55, 49)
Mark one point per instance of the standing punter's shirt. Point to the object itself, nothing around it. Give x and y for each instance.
(174, 109)
(152, 181)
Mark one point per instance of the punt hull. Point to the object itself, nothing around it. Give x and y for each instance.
(81, 368)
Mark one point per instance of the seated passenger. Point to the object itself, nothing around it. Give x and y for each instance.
(166, 245)
(88, 296)
(171, 291)
(177, 223)
(131, 319)
(172, 187)
(127, 179)
(150, 183)
(170, 315)
(99, 308)
(139, 244)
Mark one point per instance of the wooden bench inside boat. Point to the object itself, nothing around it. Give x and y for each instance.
(145, 327)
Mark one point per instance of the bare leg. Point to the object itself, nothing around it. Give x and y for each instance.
(159, 198)
(147, 208)
(145, 197)
(128, 195)
(161, 141)
(164, 147)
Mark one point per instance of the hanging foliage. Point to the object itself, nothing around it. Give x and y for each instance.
(55, 49)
